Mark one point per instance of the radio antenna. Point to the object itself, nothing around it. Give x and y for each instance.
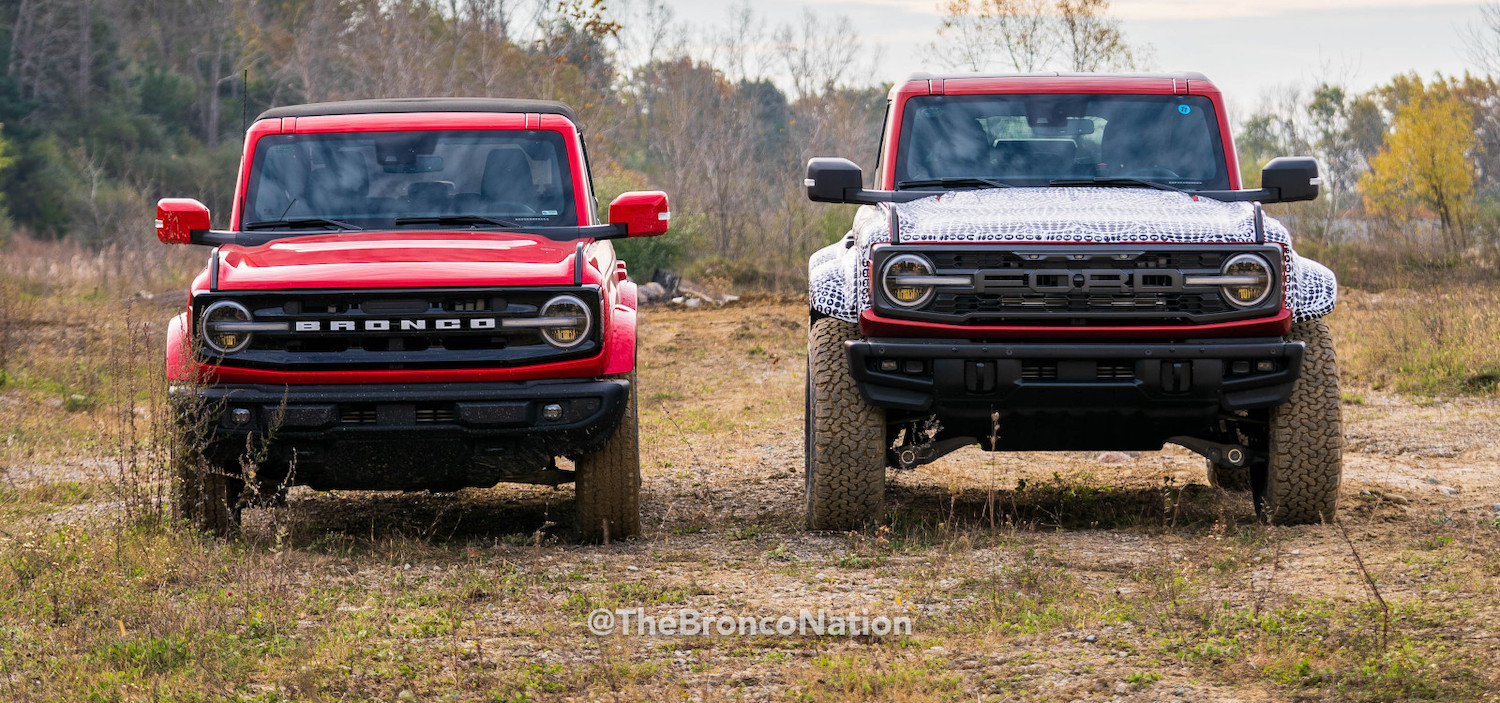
(244, 105)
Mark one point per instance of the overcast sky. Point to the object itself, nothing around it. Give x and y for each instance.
(1246, 48)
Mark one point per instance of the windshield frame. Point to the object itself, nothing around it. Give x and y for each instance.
(1208, 107)
(583, 221)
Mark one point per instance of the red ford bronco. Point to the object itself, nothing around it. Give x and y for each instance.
(1067, 262)
(411, 295)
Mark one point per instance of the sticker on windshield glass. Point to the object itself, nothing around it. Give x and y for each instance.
(549, 213)
(1184, 109)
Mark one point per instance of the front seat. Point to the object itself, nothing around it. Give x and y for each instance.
(950, 142)
(507, 181)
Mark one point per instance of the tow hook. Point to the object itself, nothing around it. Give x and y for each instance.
(910, 456)
(1235, 455)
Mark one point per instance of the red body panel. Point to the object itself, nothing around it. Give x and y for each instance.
(397, 260)
(441, 258)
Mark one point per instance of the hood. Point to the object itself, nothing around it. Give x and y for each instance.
(398, 259)
(1072, 214)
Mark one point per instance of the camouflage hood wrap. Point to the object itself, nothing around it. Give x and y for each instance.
(839, 279)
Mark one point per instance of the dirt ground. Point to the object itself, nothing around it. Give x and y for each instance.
(1038, 576)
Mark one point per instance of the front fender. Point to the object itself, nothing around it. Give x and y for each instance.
(831, 287)
(838, 275)
(1312, 289)
(619, 342)
(179, 350)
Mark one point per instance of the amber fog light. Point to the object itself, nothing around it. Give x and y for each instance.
(908, 280)
(567, 322)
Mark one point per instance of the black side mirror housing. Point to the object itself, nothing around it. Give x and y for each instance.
(1290, 179)
(832, 180)
(1286, 179)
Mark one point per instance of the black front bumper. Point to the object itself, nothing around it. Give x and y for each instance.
(1075, 395)
(438, 436)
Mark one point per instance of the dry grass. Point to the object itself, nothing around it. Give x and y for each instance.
(1030, 576)
(1438, 342)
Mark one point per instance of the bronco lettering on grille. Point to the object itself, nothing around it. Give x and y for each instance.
(1079, 280)
(476, 323)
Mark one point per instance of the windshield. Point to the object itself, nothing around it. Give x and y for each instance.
(382, 179)
(1032, 140)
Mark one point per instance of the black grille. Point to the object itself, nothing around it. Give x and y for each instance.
(1012, 260)
(399, 329)
(1069, 285)
(1047, 370)
(1184, 303)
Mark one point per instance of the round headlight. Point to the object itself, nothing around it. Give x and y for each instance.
(1247, 280)
(903, 280)
(568, 321)
(221, 340)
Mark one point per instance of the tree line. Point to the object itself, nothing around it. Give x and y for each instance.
(106, 105)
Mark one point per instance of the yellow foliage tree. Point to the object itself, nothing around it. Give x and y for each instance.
(1425, 163)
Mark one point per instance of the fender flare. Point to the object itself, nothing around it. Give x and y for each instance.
(180, 364)
(619, 341)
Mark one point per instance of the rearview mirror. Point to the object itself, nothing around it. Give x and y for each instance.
(1290, 178)
(177, 219)
(643, 213)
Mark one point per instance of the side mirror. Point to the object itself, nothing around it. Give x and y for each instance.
(1290, 178)
(177, 219)
(642, 213)
(831, 180)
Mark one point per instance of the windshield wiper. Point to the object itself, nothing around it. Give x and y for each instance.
(956, 183)
(298, 223)
(1114, 181)
(456, 220)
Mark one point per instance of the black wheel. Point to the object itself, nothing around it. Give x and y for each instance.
(845, 437)
(607, 485)
(1305, 462)
(208, 496)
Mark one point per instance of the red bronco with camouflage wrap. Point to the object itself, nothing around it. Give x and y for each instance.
(410, 295)
(1067, 262)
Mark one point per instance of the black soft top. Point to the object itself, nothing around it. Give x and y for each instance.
(361, 107)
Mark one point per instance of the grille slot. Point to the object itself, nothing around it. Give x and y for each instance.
(357, 415)
(1187, 303)
(1039, 370)
(435, 414)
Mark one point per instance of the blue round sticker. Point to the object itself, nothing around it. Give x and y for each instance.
(1184, 109)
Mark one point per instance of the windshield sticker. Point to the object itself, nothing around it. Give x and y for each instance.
(1184, 109)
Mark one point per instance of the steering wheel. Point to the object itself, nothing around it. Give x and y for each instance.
(1152, 172)
(511, 207)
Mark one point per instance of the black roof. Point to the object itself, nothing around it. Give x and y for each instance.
(1182, 75)
(361, 107)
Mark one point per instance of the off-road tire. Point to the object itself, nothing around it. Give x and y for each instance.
(207, 497)
(1229, 478)
(845, 437)
(1305, 462)
(607, 483)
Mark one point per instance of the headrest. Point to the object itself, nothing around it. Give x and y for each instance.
(507, 176)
